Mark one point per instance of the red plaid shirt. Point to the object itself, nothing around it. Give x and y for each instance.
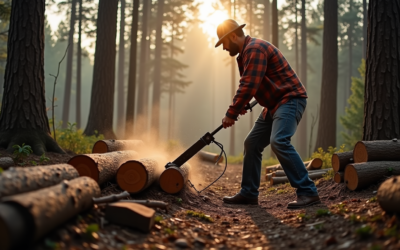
(265, 75)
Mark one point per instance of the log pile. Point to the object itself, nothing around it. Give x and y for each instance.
(106, 146)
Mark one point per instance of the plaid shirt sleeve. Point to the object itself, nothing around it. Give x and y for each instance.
(254, 68)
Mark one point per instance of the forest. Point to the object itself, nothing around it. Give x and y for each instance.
(109, 115)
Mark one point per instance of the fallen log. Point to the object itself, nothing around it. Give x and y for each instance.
(173, 179)
(210, 157)
(273, 168)
(25, 218)
(360, 175)
(101, 167)
(280, 173)
(136, 175)
(279, 180)
(340, 160)
(105, 146)
(6, 162)
(388, 150)
(149, 203)
(389, 195)
(338, 177)
(314, 164)
(131, 215)
(268, 176)
(17, 180)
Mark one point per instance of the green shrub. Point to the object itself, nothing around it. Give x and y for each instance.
(326, 157)
(21, 152)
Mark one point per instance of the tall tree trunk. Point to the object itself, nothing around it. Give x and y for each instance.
(79, 69)
(296, 38)
(365, 26)
(121, 67)
(130, 106)
(142, 84)
(147, 81)
(302, 130)
(171, 88)
(350, 38)
(102, 99)
(275, 28)
(68, 77)
(327, 118)
(155, 121)
(233, 88)
(382, 85)
(251, 116)
(266, 19)
(23, 117)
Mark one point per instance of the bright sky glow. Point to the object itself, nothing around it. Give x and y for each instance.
(211, 14)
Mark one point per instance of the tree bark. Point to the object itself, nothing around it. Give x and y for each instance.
(143, 60)
(360, 175)
(267, 20)
(340, 160)
(296, 38)
(121, 65)
(279, 180)
(105, 146)
(339, 177)
(350, 54)
(382, 91)
(6, 162)
(365, 25)
(32, 215)
(102, 99)
(137, 175)
(155, 122)
(233, 86)
(174, 179)
(376, 151)
(23, 117)
(79, 70)
(21, 180)
(68, 76)
(101, 167)
(130, 105)
(275, 27)
(210, 157)
(327, 119)
(389, 195)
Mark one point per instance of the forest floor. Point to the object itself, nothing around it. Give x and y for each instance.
(344, 220)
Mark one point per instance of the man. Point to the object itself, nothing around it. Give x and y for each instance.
(267, 76)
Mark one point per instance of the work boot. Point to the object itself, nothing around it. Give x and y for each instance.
(304, 201)
(240, 199)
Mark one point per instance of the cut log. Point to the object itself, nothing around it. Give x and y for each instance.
(137, 175)
(360, 175)
(173, 179)
(210, 157)
(101, 167)
(17, 180)
(268, 176)
(6, 162)
(279, 180)
(340, 160)
(27, 217)
(131, 215)
(273, 168)
(338, 177)
(149, 203)
(280, 173)
(388, 150)
(389, 195)
(105, 146)
(314, 164)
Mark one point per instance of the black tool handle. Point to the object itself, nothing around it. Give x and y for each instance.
(205, 140)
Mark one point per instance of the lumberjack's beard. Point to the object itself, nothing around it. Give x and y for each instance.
(233, 48)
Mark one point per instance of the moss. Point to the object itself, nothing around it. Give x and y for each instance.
(199, 215)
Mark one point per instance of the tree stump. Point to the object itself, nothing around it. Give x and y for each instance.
(389, 195)
(279, 180)
(6, 162)
(360, 175)
(105, 146)
(25, 218)
(20, 180)
(338, 177)
(385, 150)
(101, 167)
(340, 160)
(210, 157)
(137, 175)
(173, 179)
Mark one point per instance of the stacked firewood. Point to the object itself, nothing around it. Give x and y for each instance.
(276, 175)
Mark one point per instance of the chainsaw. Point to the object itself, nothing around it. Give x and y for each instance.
(200, 144)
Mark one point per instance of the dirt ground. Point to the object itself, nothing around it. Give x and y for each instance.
(345, 219)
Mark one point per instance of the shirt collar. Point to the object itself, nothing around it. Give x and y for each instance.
(246, 41)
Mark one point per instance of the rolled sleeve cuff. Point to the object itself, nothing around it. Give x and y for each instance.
(231, 115)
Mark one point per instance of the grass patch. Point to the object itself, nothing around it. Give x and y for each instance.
(391, 232)
(323, 212)
(373, 199)
(199, 215)
(303, 216)
(356, 218)
(282, 191)
(364, 232)
(158, 219)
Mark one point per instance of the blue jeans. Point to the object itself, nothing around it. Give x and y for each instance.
(277, 131)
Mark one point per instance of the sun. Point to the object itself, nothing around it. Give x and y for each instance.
(210, 18)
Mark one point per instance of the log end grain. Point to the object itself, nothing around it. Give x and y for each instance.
(351, 177)
(132, 176)
(335, 162)
(360, 152)
(100, 147)
(173, 179)
(315, 163)
(85, 166)
(389, 195)
(338, 177)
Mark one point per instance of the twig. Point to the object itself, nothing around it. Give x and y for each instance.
(111, 198)
(54, 92)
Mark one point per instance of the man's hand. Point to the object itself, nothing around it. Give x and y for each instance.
(227, 122)
(244, 111)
